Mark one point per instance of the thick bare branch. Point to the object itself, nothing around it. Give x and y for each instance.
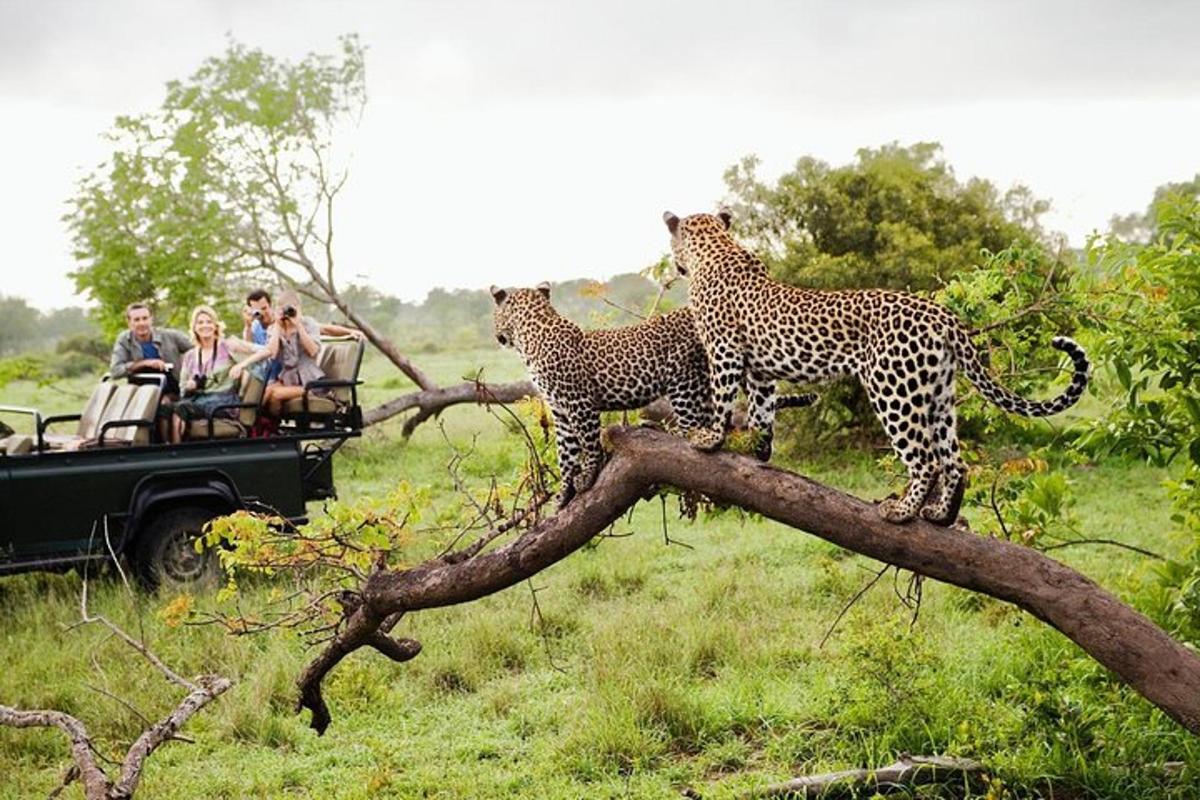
(95, 782)
(1137, 651)
(431, 402)
(208, 688)
(898, 778)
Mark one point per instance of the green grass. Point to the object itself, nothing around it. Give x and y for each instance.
(659, 665)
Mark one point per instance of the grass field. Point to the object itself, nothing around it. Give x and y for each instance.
(657, 666)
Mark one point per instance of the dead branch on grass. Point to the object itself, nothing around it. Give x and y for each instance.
(97, 784)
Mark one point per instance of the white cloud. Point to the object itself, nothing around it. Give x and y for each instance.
(511, 143)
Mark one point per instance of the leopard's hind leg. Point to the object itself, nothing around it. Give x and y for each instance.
(902, 405)
(760, 417)
(725, 377)
(943, 429)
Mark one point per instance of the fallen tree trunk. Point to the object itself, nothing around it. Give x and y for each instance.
(431, 402)
(897, 778)
(1151, 662)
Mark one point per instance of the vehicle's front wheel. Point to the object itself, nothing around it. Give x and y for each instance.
(165, 554)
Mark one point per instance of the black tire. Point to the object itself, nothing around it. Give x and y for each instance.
(165, 554)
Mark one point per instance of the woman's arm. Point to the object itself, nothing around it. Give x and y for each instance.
(310, 345)
(186, 370)
(243, 347)
(333, 329)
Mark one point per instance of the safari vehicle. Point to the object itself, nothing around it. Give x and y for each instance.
(108, 490)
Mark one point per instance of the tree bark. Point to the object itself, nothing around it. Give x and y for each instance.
(1151, 662)
(897, 778)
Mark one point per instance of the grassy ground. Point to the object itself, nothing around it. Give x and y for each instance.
(660, 665)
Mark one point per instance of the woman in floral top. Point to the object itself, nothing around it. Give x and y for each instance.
(208, 373)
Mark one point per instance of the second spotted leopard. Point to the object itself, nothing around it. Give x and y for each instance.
(583, 372)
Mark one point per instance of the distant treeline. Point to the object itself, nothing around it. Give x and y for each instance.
(462, 318)
(25, 329)
(445, 320)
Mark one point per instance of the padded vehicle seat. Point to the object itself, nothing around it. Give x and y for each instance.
(89, 421)
(114, 409)
(18, 444)
(251, 393)
(340, 360)
(143, 406)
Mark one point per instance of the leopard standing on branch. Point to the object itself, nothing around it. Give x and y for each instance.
(581, 373)
(904, 350)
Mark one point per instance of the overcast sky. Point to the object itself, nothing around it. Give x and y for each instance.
(516, 142)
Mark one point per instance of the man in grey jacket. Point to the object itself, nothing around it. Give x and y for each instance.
(143, 348)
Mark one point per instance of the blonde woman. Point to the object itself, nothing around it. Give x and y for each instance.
(208, 374)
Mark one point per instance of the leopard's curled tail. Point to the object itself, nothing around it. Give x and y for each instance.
(968, 359)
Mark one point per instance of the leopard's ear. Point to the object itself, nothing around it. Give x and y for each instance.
(498, 294)
(726, 217)
(544, 289)
(672, 222)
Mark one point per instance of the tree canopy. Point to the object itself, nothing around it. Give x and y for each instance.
(230, 182)
(896, 217)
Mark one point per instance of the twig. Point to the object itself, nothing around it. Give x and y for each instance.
(1110, 542)
(857, 596)
(537, 620)
(667, 540)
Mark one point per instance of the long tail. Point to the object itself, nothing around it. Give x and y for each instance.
(976, 372)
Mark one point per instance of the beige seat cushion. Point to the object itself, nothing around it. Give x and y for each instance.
(317, 404)
(222, 429)
(18, 444)
(94, 408)
(250, 390)
(339, 360)
(88, 426)
(114, 409)
(142, 406)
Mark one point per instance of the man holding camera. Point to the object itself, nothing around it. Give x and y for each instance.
(258, 317)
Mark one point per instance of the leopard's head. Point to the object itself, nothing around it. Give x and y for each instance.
(515, 308)
(696, 238)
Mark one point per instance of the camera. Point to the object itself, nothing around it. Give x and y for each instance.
(201, 381)
(289, 312)
(256, 313)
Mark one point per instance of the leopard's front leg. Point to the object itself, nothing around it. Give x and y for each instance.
(591, 453)
(567, 445)
(725, 374)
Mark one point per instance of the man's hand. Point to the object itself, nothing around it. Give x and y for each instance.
(152, 365)
(247, 314)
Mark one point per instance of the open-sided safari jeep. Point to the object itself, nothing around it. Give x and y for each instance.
(109, 488)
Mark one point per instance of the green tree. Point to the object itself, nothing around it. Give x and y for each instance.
(232, 182)
(18, 325)
(896, 218)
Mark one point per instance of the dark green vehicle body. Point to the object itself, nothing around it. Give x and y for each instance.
(59, 509)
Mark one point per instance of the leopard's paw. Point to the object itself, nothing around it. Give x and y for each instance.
(705, 439)
(891, 510)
